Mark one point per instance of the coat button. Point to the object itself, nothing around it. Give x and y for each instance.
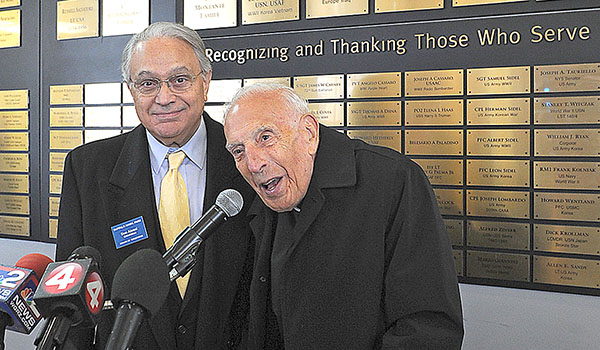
(181, 329)
(263, 279)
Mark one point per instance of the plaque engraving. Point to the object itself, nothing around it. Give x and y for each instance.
(15, 162)
(406, 5)
(204, 14)
(52, 228)
(437, 112)
(223, 90)
(567, 206)
(57, 161)
(10, 28)
(124, 17)
(330, 114)
(14, 204)
(14, 225)
(501, 266)
(567, 77)
(330, 8)
(434, 83)
(514, 173)
(567, 110)
(70, 116)
(567, 142)
(500, 111)
(9, 3)
(567, 175)
(103, 93)
(258, 11)
(319, 87)
(65, 139)
(498, 142)
(14, 141)
(76, 19)
(386, 138)
(504, 80)
(449, 201)
(435, 142)
(103, 116)
(14, 183)
(458, 261)
(374, 85)
(509, 204)
(287, 81)
(66, 94)
(455, 231)
(567, 239)
(380, 113)
(55, 184)
(53, 205)
(442, 171)
(566, 271)
(14, 120)
(14, 99)
(494, 234)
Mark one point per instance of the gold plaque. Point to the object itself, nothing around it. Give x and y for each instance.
(567, 77)
(14, 120)
(53, 228)
(10, 28)
(436, 142)
(457, 3)
(449, 201)
(124, 17)
(287, 81)
(434, 83)
(328, 113)
(55, 184)
(500, 266)
(442, 171)
(319, 87)
(514, 173)
(567, 142)
(567, 110)
(103, 116)
(566, 271)
(14, 99)
(407, 5)
(66, 94)
(103, 93)
(259, 11)
(380, 113)
(567, 239)
(455, 231)
(374, 85)
(567, 175)
(436, 112)
(57, 161)
(567, 206)
(14, 141)
(501, 80)
(65, 139)
(72, 116)
(14, 204)
(205, 14)
(14, 226)
(458, 261)
(331, 8)
(53, 205)
(386, 138)
(9, 3)
(498, 142)
(498, 111)
(76, 19)
(495, 234)
(507, 204)
(15, 162)
(14, 183)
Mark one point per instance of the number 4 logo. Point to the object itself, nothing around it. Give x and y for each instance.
(63, 278)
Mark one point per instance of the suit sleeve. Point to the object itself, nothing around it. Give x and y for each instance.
(421, 296)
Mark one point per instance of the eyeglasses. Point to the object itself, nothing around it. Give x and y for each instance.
(177, 84)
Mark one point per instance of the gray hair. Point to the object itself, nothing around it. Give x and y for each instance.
(168, 30)
(290, 98)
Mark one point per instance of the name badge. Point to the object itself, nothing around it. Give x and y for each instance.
(129, 232)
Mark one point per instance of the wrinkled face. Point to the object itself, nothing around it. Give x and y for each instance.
(273, 147)
(172, 118)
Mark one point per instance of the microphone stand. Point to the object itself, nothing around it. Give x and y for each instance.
(54, 334)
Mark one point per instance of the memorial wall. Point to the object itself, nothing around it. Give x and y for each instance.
(497, 101)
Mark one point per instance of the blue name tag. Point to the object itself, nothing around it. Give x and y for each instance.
(129, 232)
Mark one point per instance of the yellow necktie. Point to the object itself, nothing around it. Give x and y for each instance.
(173, 208)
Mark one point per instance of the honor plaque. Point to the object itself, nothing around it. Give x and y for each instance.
(14, 120)
(406, 5)
(14, 226)
(57, 161)
(494, 234)
(434, 83)
(14, 99)
(455, 231)
(500, 266)
(508, 204)
(14, 204)
(374, 85)
(10, 28)
(76, 19)
(567, 206)
(329, 114)
(260, 11)
(458, 261)
(457, 3)
(567, 175)
(567, 239)
(567, 110)
(438, 112)
(498, 142)
(381, 113)
(491, 81)
(55, 184)
(331, 8)
(14, 141)
(567, 142)
(124, 17)
(52, 228)
(513, 173)
(66, 94)
(320, 87)
(567, 78)
(434, 142)
(14, 162)
(14, 183)
(500, 111)
(53, 205)
(65, 139)
(442, 171)
(449, 201)
(66, 116)
(9, 3)
(287, 81)
(565, 271)
(205, 14)
(386, 138)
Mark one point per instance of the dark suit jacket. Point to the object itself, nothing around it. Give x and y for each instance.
(108, 182)
(372, 267)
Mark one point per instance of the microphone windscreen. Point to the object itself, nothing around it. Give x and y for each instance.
(36, 262)
(230, 201)
(86, 252)
(142, 278)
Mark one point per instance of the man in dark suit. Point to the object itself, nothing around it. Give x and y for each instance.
(112, 181)
(351, 249)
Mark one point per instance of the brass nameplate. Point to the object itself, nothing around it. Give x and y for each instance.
(567, 175)
(103, 93)
(53, 206)
(567, 206)
(442, 171)
(255, 11)
(494, 234)
(449, 201)
(434, 83)
(14, 183)
(124, 17)
(567, 110)
(53, 228)
(514, 173)
(72, 116)
(205, 14)
(57, 161)
(500, 266)
(380, 113)
(66, 94)
(455, 231)
(457, 3)
(55, 184)
(103, 116)
(567, 77)
(567, 239)
(507, 204)
(10, 28)
(505, 80)
(437, 142)
(374, 85)
(222, 90)
(406, 5)
(287, 81)
(498, 111)
(498, 142)
(14, 99)
(14, 141)
(328, 113)
(14, 226)
(14, 204)
(319, 87)
(65, 139)
(565, 271)
(9, 3)
(567, 142)
(76, 19)
(458, 261)
(14, 120)
(437, 112)
(15, 162)
(386, 138)
(330, 8)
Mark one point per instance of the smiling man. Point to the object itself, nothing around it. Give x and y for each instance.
(351, 252)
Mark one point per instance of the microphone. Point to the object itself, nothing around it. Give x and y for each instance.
(139, 289)
(17, 284)
(181, 256)
(71, 293)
